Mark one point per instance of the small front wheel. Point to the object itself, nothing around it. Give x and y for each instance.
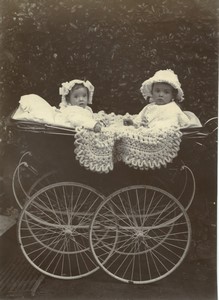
(53, 229)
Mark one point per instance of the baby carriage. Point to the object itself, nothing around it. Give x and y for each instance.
(132, 224)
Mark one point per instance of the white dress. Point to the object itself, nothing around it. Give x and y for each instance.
(34, 108)
(153, 115)
(75, 116)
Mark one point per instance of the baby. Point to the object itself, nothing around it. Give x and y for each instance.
(73, 112)
(163, 91)
(74, 109)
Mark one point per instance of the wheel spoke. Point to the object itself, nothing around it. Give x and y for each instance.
(53, 229)
(150, 234)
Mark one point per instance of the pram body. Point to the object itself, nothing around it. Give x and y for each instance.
(131, 223)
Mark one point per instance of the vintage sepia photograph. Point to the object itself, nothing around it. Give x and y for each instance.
(108, 149)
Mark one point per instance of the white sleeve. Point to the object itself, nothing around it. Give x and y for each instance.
(193, 119)
(139, 118)
(80, 117)
(89, 109)
(88, 123)
(175, 115)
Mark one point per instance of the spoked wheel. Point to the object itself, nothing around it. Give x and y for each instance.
(53, 229)
(147, 234)
(44, 180)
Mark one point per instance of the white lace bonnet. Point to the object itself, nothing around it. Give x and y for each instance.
(68, 85)
(167, 76)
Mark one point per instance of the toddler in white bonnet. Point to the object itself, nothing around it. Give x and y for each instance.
(74, 109)
(163, 90)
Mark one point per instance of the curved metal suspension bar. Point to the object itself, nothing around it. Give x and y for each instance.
(23, 155)
(16, 173)
(189, 176)
(27, 194)
(39, 181)
(214, 119)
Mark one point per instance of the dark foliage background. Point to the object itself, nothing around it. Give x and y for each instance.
(115, 44)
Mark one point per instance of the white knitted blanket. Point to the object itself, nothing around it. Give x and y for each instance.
(141, 148)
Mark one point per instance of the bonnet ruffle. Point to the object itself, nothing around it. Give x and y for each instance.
(167, 76)
(68, 85)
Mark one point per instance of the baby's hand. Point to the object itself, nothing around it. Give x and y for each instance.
(97, 127)
(128, 122)
(144, 123)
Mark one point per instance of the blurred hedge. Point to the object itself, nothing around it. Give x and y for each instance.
(115, 44)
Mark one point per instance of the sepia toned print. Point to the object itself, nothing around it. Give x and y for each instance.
(108, 149)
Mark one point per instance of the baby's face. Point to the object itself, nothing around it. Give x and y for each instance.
(162, 93)
(79, 97)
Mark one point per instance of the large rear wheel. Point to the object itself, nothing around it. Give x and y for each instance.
(145, 234)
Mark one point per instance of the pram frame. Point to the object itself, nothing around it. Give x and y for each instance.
(197, 134)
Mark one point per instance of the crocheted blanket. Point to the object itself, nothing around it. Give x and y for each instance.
(140, 148)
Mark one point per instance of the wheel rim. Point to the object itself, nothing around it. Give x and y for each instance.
(153, 234)
(46, 179)
(53, 229)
